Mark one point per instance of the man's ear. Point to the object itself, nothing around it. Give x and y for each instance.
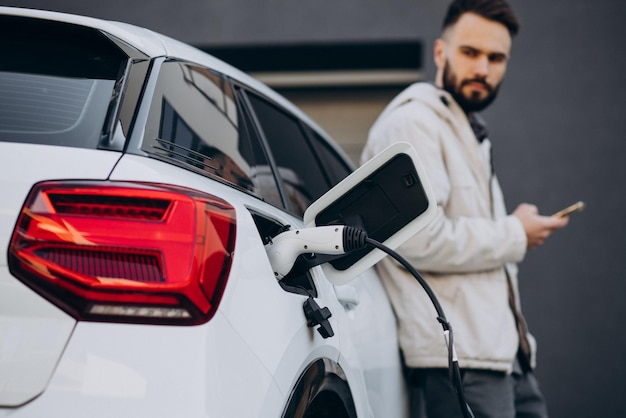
(439, 51)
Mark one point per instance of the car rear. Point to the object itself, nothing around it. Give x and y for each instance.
(102, 282)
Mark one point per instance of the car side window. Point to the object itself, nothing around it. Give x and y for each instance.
(196, 123)
(335, 166)
(302, 177)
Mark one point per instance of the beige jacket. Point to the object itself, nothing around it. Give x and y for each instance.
(464, 252)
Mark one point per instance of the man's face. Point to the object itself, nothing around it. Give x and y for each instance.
(471, 58)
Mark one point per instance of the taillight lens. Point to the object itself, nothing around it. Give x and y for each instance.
(125, 252)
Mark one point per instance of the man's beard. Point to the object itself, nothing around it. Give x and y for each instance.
(468, 104)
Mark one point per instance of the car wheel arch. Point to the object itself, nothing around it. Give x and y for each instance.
(321, 391)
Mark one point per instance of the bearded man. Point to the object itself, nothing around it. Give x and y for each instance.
(468, 254)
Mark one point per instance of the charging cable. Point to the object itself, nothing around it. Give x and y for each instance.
(453, 361)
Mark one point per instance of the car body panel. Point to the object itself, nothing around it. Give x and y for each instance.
(33, 335)
(106, 371)
(368, 335)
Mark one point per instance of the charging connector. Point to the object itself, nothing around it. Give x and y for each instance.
(284, 249)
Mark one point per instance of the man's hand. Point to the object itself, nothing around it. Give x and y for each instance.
(537, 227)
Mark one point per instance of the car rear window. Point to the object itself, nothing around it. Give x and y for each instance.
(57, 82)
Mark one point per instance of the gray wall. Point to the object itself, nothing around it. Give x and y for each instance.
(561, 120)
(558, 128)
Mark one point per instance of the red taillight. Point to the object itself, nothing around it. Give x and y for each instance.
(125, 252)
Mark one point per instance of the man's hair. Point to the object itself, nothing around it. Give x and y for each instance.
(495, 10)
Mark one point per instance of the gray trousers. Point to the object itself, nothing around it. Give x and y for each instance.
(489, 394)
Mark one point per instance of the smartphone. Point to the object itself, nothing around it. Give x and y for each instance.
(576, 207)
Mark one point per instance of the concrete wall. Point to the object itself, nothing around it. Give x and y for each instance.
(559, 134)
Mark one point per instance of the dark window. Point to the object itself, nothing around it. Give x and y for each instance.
(263, 173)
(335, 166)
(57, 82)
(302, 177)
(195, 122)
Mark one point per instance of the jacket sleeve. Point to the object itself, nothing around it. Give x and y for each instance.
(448, 245)
(465, 245)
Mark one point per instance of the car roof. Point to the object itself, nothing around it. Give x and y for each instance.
(154, 44)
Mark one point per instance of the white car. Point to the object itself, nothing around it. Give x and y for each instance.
(143, 185)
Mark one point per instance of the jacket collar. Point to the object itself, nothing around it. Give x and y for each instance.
(444, 105)
(450, 110)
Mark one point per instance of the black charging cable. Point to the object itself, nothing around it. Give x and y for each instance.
(355, 238)
(453, 363)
